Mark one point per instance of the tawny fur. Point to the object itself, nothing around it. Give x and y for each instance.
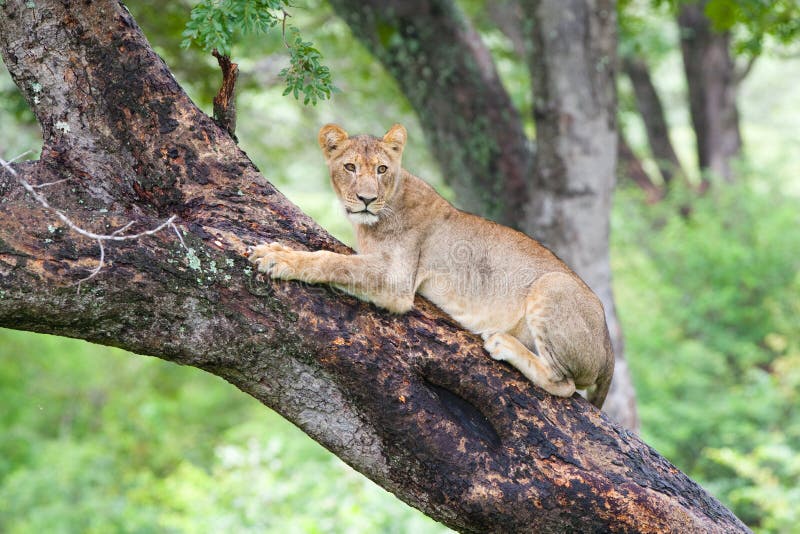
(530, 308)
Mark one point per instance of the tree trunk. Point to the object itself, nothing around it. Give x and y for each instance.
(411, 401)
(466, 112)
(652, 112)
(629, 166)
(711, 78)
(507, 16)
(448, 76)
(572, 67)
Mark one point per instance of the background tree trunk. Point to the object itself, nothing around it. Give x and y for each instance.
(712, 80)
(466, 112)
(411, 401)
(572, 68)
(652, 112)
(629, 166)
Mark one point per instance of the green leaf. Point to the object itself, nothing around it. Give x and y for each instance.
(214, 24)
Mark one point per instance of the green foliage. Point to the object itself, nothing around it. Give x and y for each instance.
(306, 74)
(19, 131)
(754, 22)
(95, 440)
(646, 28)
(767, 487)
(711, 312)
(214, 23)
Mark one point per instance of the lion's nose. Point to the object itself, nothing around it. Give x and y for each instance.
(366, 200)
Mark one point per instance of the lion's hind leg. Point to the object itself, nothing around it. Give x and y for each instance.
(505, 347)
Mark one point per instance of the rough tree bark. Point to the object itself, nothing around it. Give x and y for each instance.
(712, 80)
(572, 69)
(412, 402)
(449, 77)
(652, 112)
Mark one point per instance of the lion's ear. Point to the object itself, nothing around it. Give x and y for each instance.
(396, 138)
(330, 139)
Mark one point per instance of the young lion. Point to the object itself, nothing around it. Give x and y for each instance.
(530, 308)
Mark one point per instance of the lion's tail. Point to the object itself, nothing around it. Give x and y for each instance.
(597, 394)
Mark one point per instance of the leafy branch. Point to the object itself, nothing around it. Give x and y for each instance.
(213, 24)
(305, 73)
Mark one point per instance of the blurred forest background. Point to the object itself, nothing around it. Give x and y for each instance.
(705, 251)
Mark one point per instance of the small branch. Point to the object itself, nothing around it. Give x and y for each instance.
(225, 101)
(97, 269)
(48, 184)
(117, 232)
(742, 73)
(283, 28)
(630, 166)
(180, 237)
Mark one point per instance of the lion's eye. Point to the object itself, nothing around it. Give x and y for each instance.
(350, 167)
(382, 169)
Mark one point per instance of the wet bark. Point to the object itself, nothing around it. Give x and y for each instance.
(572, 67)
(652, 112)
(411, 401)
(449, 77)
(712, 81)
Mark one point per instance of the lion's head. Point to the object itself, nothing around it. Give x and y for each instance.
(365, 170)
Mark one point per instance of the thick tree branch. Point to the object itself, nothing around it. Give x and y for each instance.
(412, 402)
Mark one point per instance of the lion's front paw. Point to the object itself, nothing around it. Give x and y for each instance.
(495, 345)
(276, 260)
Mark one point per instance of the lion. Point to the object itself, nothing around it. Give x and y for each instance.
(529, 307)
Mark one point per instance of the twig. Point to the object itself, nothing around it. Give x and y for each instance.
(180, 237)
(116, 232)
(742, 72)
(283, 27)
(97, 269)
(48, 184)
